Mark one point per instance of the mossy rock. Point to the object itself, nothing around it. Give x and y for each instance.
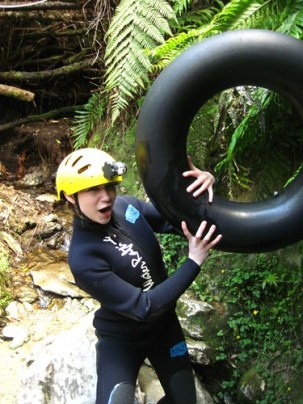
(250, 387)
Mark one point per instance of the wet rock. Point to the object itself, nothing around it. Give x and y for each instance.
(11, 242)
(50, 226)
(17, 311)
(18, 334)
(26, 294)
(250, 387)
(56, 278)
(49, 229)
(50, 198)
(31, 180)
(201, 322)
(194, 315)
(200, 353)
(64, 370)
(195, 310)
(56, 242)
(203, 396)
(50, 218)
(149, 383)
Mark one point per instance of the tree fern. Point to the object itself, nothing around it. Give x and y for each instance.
(252, 114)
(292, 19)
(136, 26)
(220, 18)
(180, 6)
(86, 119)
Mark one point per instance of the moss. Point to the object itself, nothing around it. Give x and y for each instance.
(5, 295)
(250, 387)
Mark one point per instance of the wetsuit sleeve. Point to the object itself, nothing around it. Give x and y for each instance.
(120, 296)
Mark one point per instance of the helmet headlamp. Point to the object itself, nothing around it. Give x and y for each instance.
(113, 169)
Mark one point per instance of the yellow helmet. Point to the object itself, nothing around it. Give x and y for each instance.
(85, 168)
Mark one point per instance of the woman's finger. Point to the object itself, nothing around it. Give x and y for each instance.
(215, 241)
(201, 229)
(210, 194)
(210, 233)
(185, 230)
(190, 163)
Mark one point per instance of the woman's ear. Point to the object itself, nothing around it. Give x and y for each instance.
(70, 198)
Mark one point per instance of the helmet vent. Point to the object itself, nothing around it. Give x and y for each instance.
(76, 161)
(67, 160)
(84, 168)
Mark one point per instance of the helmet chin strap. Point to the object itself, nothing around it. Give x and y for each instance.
(78, 209)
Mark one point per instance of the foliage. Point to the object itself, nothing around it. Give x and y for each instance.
(174, 249)
(86, 120)
(181, 6)
(265, 327)
(252, 141)
(5, 296)
(203, 24)
(194, 26)
(136, 27)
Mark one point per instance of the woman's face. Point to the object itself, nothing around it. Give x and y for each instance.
(96, 203)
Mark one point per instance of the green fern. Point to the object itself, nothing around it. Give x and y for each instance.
(180, 6)
(286, 17)
(165, 53)
(259, 138)
(249, 119)
(292, 19)
(87, 118)
(201, 131)
(136, 26)
(214, 20)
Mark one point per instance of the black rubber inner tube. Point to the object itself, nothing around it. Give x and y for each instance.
(248, 57)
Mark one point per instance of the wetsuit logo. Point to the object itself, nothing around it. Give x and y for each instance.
(131, 214)
(136, 261)
(178, 350)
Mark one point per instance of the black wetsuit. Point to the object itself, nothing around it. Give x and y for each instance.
(120, 265)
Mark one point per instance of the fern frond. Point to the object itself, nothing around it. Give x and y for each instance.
(85, 120)
(231, 16)
(265, 97)
(181, 6)
(292, 19)
(136, 26)
(165, 53)
(235, 14)
(200, 133)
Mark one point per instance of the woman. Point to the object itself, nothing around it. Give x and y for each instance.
(116, 258)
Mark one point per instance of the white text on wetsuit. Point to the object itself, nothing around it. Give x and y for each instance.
(127, 249)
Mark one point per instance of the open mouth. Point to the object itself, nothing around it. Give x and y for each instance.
(107, 209)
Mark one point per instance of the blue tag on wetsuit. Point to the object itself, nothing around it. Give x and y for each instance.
(178, 350)
(131, 214)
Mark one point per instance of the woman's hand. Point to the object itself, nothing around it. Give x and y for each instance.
(198, 245)
(204, 181)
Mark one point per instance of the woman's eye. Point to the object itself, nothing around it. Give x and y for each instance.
(107, 187)
(110, 187)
